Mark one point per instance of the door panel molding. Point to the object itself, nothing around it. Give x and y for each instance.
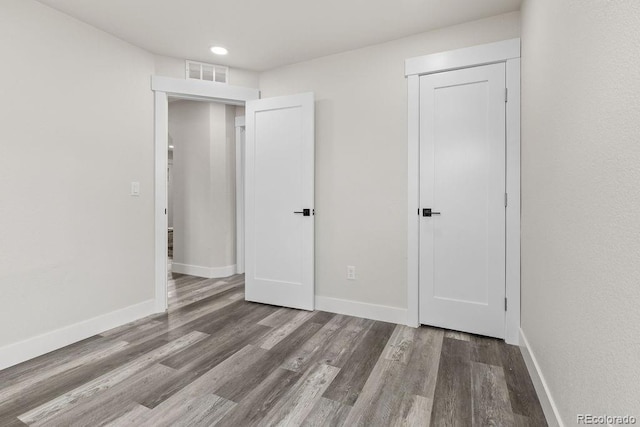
(507, 52)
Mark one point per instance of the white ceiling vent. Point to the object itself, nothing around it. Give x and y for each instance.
(207, 72)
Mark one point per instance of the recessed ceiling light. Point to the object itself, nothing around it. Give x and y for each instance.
(219, 50)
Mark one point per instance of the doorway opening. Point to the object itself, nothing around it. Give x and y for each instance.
(226, 98)
(278, 187)
(204, 199)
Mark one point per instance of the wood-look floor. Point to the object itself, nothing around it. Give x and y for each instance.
(215, 359)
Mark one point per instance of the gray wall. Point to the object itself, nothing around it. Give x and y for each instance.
(204, 184)
(580, 201)
(77, 123)
(76, 117)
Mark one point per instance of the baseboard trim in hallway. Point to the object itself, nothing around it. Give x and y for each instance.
(206, 272)
(544, 395)
(30, 348)
(383, 313)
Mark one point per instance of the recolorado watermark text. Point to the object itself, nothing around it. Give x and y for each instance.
(605, 419)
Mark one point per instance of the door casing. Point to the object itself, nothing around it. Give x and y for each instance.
(195, 90)
(507, 52)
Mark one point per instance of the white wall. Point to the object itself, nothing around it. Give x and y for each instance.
(204, 179)
(76, 119)
(227, 227)
(361, 155)
(580, 201)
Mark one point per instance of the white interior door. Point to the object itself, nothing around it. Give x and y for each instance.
(462, 179)
(279, 201)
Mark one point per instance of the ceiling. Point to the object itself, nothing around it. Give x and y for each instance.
(263, 34)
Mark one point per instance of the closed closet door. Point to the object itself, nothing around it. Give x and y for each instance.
(462, 200)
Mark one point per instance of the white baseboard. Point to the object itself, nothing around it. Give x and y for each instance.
(383, 313)
(206, 272)
(19, 352)
(546, 400)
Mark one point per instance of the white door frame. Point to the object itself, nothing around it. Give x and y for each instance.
(507, 52)
(185, 89)
(240, 147)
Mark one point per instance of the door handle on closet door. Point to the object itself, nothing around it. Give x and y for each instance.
(304, 212)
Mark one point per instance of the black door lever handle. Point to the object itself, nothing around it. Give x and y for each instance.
(304, 212)
(428, 212)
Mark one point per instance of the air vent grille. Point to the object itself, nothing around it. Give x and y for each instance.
(207, 72)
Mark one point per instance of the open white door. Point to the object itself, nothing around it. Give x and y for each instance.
(462, 200)
(279, 201)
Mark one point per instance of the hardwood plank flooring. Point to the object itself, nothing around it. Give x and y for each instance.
(347, 386)
(452, 403)
(215, 359)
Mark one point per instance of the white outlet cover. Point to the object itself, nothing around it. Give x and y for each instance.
(351, 272)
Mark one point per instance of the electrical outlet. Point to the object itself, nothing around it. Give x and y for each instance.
(351, 272)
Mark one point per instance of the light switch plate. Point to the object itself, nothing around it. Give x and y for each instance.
(135, 188)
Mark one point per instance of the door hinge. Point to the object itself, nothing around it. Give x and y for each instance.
(505, 200)
(506, 94)
(165, 211)
(505, 304)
